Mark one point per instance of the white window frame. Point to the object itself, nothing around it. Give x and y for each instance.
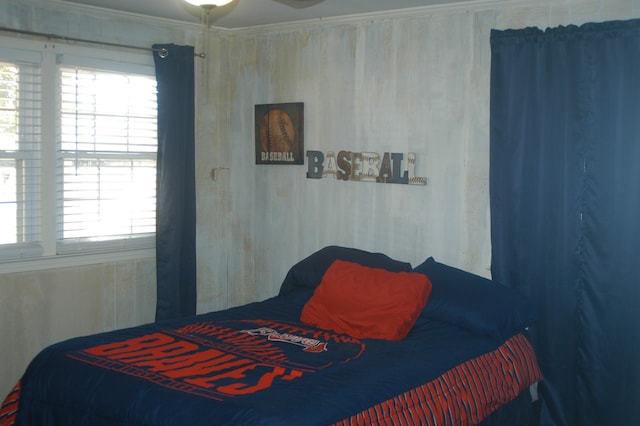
(49, 254)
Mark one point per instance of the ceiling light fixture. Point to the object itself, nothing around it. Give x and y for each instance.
(208, 2)
(207, 6)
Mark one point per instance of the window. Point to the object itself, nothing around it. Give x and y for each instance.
(19, 152)
(106, 154)
(77, 151)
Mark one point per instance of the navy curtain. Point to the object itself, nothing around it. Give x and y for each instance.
(176, 205)
(565, 209)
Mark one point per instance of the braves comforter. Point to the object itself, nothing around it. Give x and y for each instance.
(258, 365)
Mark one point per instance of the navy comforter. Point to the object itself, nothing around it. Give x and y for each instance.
(258, 365)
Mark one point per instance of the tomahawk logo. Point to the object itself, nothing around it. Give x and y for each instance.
(310, 345)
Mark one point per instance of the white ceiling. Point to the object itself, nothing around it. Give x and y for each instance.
(250, 13)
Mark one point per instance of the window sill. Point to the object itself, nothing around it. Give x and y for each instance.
(69, 261)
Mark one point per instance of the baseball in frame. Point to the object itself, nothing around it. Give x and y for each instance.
(279, 133)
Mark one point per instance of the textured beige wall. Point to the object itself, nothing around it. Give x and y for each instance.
(416, 83)
(404, 83)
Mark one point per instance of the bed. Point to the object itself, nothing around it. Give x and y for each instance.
(353, 337)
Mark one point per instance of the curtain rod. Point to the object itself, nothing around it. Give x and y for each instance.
(162, 52)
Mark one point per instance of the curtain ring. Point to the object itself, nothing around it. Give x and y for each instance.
(163, 53)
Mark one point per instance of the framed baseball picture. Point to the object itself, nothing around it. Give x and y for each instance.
(279, 133)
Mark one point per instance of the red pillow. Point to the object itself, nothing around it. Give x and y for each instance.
(366, 302)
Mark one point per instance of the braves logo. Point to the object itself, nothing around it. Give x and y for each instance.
(309, 345)
(226, 358)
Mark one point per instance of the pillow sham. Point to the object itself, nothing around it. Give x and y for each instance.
(473, 302)
(366, 302)
(308, 272)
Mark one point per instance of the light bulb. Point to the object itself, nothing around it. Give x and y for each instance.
(208, 2)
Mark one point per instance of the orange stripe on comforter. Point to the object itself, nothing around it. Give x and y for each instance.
(464, 395)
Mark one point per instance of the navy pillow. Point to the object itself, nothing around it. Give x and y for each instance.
(474, 303)
(309, 272)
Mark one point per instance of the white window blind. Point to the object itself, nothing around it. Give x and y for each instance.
(78, 146)
(20, 138)
(106, 165)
